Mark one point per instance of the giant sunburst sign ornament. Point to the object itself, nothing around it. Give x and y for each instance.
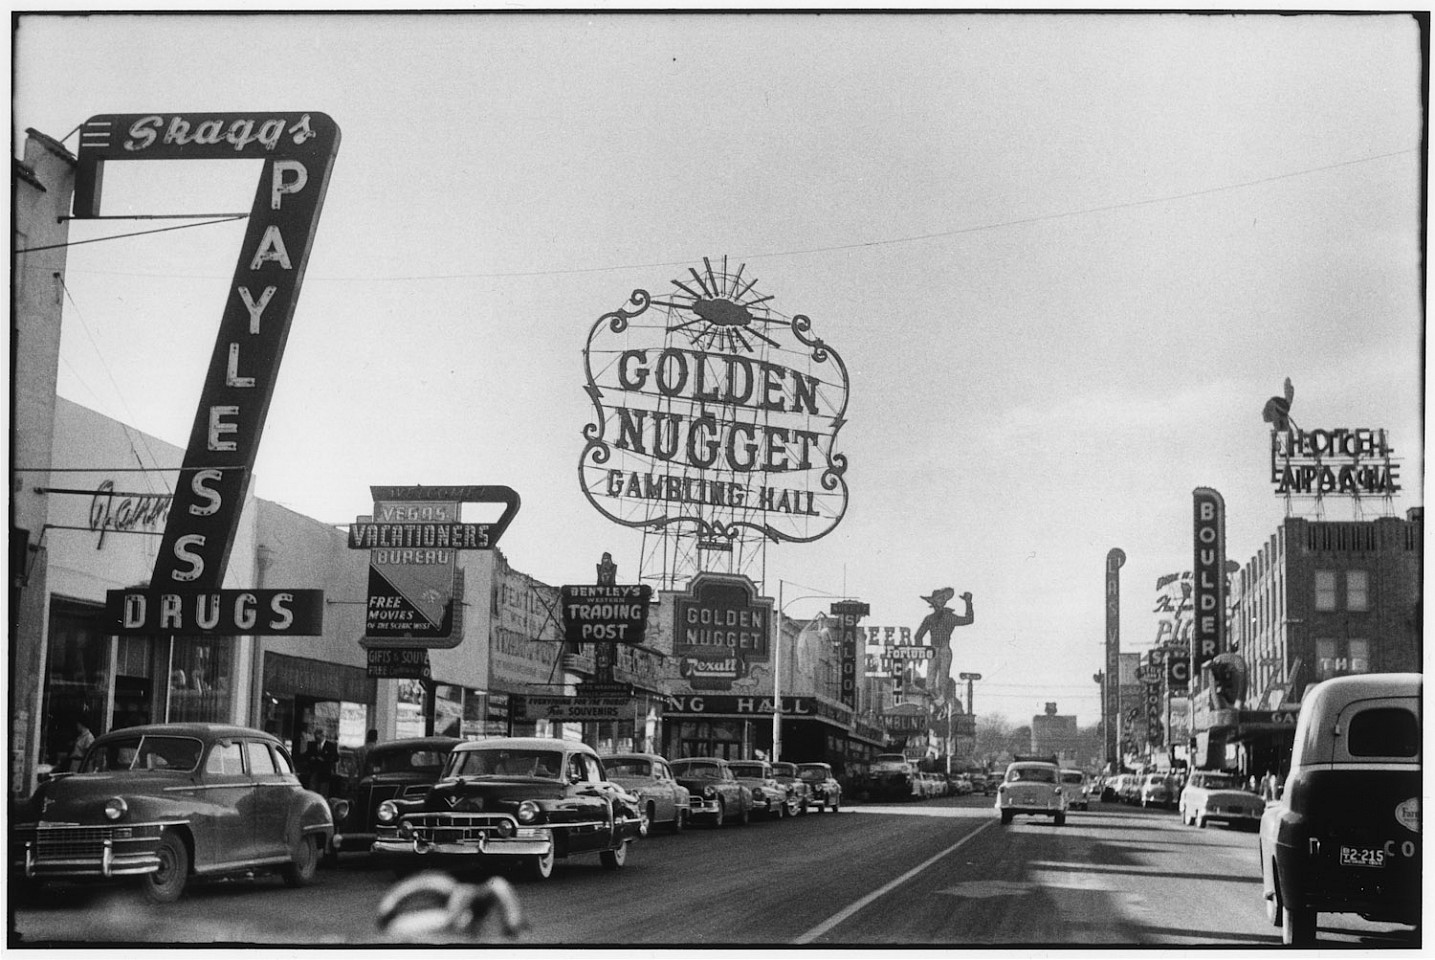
(714, 412)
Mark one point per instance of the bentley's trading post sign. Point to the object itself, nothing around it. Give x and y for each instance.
(413, 538)
(714, 414)
(297, 150)
(605, 613)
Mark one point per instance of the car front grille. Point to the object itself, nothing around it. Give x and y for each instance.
(455, 827)
(88, 843)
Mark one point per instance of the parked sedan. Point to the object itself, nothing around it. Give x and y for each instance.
(525, 801)
(664, 800)
(715, 794)
(826, 791)
(769, 798)
(786, 774)
(1217, 795)
(1155, 790)
(1075, 784)
(397, 769)
(1345, 835)
(167, 802)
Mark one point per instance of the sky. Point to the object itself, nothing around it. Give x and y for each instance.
(1065, 258)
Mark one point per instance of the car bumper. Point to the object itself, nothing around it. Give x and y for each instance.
(354, 842)
(539, 844)
(86, 851)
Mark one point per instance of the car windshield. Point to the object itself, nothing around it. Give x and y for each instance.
(180, 754)
(1219, 781)
(499, 762)
(410, 760)
(1034, 774)
(702, 771)
(627, 767)
(1069, 777)
(746, 770)
(784, 770)
(812, 773)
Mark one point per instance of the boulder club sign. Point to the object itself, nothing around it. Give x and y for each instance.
(298, 151)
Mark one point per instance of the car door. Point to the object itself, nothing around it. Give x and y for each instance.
(665, 789)
(268, 808)
(590, 803)
(222, 834)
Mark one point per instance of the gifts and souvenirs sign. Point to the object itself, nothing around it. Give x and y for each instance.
(713, 412)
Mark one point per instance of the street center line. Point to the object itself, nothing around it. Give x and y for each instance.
(848, 911)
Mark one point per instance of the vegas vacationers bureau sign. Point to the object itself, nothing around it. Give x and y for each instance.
(298, 151)
(415, 587)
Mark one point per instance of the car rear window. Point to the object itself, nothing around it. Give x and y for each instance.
(408, 760)
(1384, 732)
(1037, 774)
(1071, 778)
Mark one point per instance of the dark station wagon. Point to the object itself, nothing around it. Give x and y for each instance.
(522, 801)
(398, 769)
(162, 803)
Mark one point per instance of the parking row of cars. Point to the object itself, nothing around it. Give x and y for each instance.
(164, 803)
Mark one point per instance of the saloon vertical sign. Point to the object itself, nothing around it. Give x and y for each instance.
(1115, 558)
(298, 151)
(1208, 635)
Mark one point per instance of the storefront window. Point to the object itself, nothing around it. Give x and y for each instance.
(199, 680)
(410, 719)
(448, 710)
(77, 683)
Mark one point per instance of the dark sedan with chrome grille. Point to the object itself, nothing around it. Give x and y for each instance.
(525, 801)
(162, 803)
(399, 769)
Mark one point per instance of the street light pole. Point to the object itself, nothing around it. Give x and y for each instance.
(971, 709)
(777, 682)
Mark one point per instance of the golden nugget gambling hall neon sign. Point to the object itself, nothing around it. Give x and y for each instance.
(715, 412)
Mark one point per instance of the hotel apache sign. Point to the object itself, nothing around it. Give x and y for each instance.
(714, 413)
(1340, 462)
(297, 151)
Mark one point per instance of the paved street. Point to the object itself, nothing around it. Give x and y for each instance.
(931, 872)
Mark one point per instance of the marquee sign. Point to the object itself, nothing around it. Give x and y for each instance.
(715, 414)
(215, 613)
(1115, 559)
(848, 612)
(1208, 635)
(721, 629)
(298, 151)
(1352, 462)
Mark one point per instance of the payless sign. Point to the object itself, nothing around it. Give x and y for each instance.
(298, 151)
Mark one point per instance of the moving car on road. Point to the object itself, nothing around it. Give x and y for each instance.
(664, 801)
(523, 801)
(1032, 788)
(1219, 795)
(393, 770)
(715, 795)
(1344, 837)
(769, 798)
(1075, 785)
(891, 777)
(169, 801)
(826, 791)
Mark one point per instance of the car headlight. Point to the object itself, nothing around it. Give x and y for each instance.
(339, 809)
(709, 792)
(116, 808)
(388, 812)
(527, 811)
(757, 793)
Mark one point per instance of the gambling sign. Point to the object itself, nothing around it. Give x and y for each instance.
(297, 151)
(721, 629)
(605, 613)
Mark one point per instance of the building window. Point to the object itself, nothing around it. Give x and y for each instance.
(1335, 658)
(1325, 590)
(1357, 590)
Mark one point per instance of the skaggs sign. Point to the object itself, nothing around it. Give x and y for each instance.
(715, 414)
